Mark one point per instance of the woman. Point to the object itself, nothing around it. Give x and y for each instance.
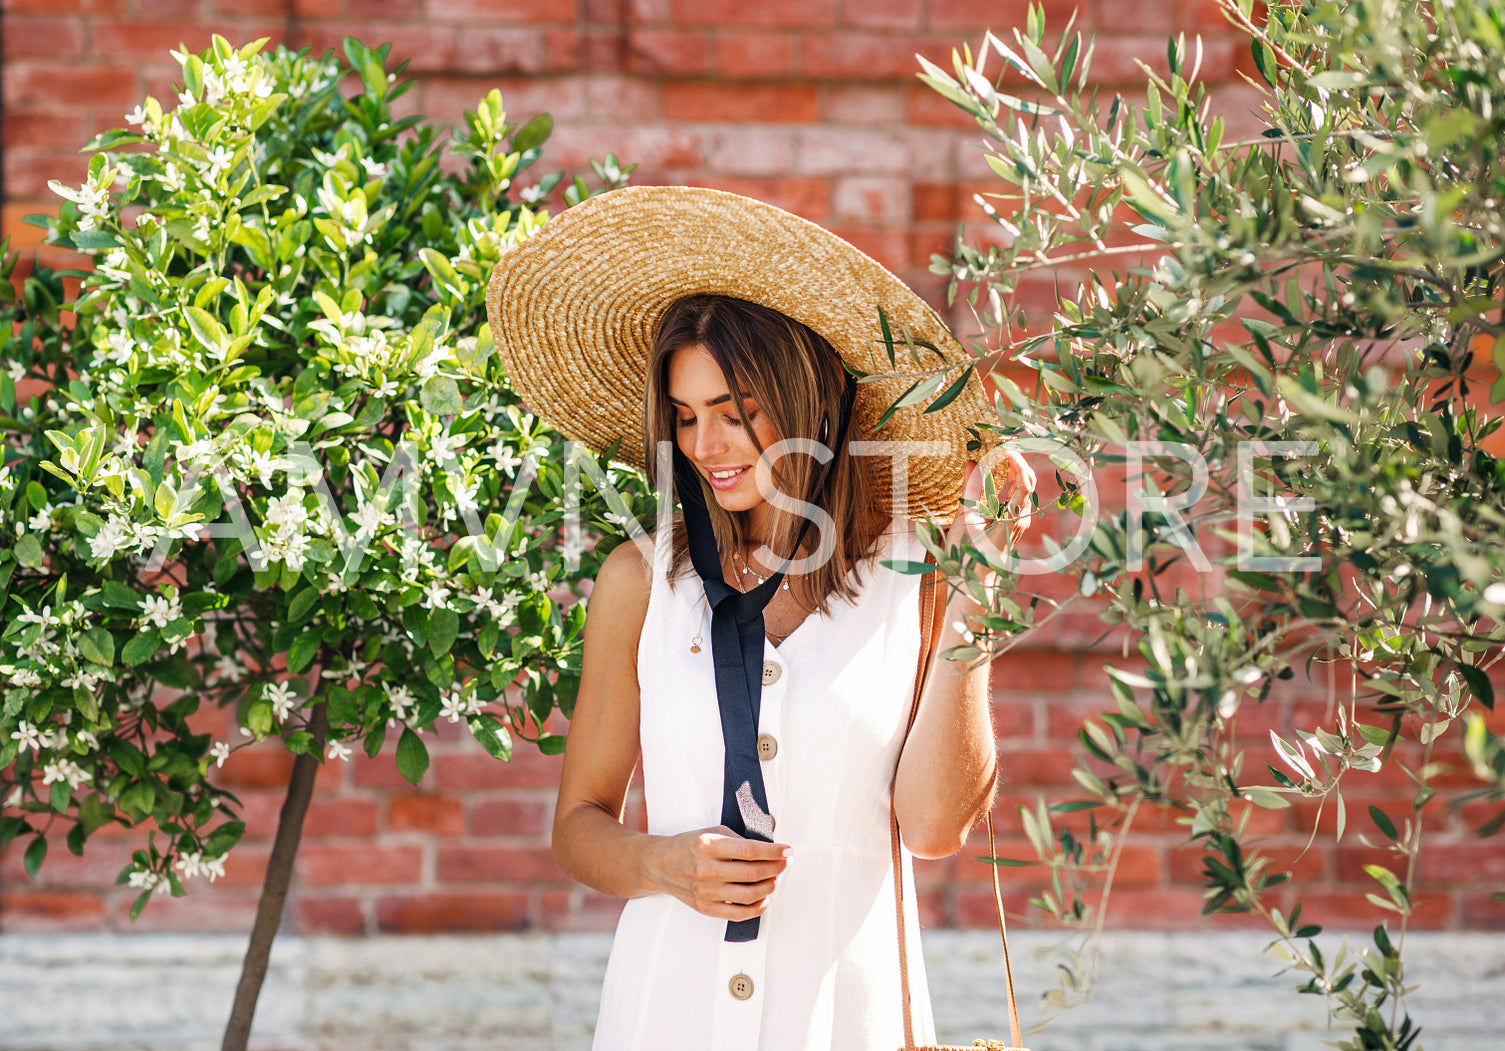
(762, 662)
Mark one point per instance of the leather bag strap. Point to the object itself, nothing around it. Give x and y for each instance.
(932, 620)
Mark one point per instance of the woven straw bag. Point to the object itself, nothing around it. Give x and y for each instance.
(932, 614)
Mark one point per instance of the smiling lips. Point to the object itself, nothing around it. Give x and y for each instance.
(726, 479)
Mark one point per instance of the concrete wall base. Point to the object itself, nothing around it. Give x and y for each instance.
(1155, 991)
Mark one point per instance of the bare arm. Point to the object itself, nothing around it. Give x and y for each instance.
(946, 773)
(711, 870)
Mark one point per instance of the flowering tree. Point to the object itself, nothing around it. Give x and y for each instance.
(271, 463)
(1290, 381)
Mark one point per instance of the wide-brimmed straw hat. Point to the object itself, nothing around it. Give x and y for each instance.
(573, 311)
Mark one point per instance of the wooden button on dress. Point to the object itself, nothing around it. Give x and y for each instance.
(771, 673)
(768, 747)
(741, 986)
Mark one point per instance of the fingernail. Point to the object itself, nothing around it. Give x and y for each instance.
(786, 852)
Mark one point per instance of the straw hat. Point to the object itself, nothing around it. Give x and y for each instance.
(573, 311)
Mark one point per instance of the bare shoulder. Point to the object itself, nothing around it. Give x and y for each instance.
(619, 599)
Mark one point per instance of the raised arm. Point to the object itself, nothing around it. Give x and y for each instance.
(712, 870)
(946, 773)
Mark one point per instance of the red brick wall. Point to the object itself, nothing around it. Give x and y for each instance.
(809, 104)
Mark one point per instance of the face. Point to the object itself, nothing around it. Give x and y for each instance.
(710, 433)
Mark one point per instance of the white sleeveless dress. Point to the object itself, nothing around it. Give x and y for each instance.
(823, 972)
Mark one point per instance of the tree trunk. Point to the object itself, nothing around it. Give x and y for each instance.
(253, 972)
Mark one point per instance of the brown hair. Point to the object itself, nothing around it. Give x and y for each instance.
(798, 381)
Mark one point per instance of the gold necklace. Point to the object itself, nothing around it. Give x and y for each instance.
(737, 583)
(747, 570)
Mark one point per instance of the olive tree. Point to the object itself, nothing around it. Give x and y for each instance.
(1283, 358)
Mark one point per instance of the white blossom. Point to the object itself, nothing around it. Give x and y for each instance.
(337, 750)
(428, 368)
(158, 610)
(465, 499)
(217, 163)
(235, 70)
(487, 601)
(263, 464)
(28, 736)
(113, 537)
(146, 879)
(171, 178)
(456, 707)
(369, 517)
(93, 199)
(287, 510)
(194, 450)
(26, 677)
(65, 770)
(283, 700)
(291, 548)
(435, 595)
(82, 678)
(219, 752)
(41, 522)
(122, 346)
(401, 699)
(227, 669)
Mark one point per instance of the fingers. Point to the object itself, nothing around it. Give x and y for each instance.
(726, 876)
(722, 842)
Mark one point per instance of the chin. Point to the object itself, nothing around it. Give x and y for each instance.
(737, 501)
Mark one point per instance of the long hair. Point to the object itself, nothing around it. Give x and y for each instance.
(798, 381)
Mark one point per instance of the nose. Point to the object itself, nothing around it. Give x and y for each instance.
(708, 440)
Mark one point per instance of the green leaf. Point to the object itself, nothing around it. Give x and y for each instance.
(98, 645)
(29, 551)
(139, 904)
(223, 838)
(118, 595)
(533, 134)
(493, 735)
(1479, 685)
(93, 240)
(141, 647)
(269, 192)
(444, 625)
(412, 756)
(1267, 798)
(138, 800)
(1382, 822)
(551, 744)
(950, 393)
(205, 327)
(303, 650)
(1264, 61)
(36, 852)
(1145, 199)
(440, 396)
(302, 604)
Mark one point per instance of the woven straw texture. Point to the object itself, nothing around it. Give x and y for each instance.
(573, 310)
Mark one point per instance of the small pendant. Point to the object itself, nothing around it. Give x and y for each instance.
(694, 648)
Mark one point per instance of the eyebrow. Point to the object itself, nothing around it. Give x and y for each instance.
(720, 399)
